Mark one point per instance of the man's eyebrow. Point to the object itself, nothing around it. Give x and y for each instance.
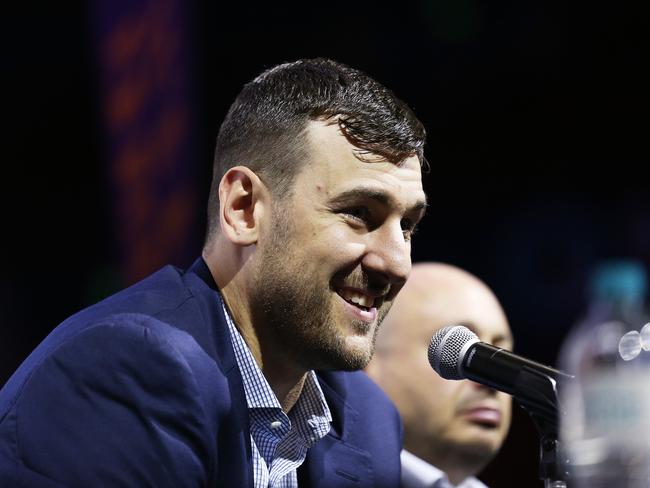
(379, 195)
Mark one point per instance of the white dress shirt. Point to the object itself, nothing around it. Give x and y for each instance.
(417, 473)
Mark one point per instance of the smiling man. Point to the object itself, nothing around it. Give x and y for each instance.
(452, 429)
(241, 371)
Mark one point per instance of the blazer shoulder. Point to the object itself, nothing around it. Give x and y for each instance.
(131, 343)
(125, 375)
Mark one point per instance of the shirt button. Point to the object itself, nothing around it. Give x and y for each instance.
(276, 424)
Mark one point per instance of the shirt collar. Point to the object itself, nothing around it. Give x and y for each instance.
(417, 473)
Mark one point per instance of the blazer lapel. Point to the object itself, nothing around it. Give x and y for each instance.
(333, 461)
(234, 454)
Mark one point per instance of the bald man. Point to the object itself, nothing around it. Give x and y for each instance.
(452, 429)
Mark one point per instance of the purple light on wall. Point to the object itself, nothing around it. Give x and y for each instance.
(143, 54)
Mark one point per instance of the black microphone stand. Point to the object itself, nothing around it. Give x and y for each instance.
(537, 393)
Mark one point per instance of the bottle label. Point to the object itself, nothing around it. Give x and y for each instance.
(617, 405)
(605, 429)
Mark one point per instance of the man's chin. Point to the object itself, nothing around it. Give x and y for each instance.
(351, 354)
(360, 348)
(481, 444)
(346, 362)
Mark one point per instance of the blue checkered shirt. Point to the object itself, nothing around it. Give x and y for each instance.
(279, 442)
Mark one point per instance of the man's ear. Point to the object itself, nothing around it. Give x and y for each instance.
(243, 199)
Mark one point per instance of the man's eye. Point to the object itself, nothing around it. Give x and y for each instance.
(357, 213)
(408, 229)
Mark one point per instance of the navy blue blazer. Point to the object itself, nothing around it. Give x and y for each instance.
(143, 389)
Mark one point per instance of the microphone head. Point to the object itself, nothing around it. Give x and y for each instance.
(447, 350)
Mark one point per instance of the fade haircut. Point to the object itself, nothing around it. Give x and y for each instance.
(264, 127)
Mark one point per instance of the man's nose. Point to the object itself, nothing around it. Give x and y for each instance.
(388, 253)
(479, 386)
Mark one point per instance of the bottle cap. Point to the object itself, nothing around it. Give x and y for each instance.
(620, 280)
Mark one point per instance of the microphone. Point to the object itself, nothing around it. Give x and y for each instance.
(456, 353)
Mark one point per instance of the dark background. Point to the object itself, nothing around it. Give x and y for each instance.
(537, 115)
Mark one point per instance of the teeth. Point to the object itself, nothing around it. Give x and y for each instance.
(357, 298)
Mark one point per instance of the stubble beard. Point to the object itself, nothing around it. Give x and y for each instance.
(295, 309)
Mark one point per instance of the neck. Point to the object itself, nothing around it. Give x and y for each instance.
(458, 465)
(456, 474)
(284, 376)
(288, 391)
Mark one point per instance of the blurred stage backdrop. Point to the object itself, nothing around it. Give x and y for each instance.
(537, 115)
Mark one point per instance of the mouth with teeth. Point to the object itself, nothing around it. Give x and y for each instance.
(357, 299)
(362, 305)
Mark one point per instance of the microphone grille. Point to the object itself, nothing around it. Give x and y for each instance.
(447, 349)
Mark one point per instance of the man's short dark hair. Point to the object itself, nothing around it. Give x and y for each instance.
(264, 127)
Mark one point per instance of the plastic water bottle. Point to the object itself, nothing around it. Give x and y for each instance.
(605, 424)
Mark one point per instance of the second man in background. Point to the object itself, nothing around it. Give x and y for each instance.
(452, 429)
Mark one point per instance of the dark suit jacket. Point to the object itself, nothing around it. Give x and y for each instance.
(143, 389)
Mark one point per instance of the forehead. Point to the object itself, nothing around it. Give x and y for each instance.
(335, 166)
(475, 308)
(430, 304)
